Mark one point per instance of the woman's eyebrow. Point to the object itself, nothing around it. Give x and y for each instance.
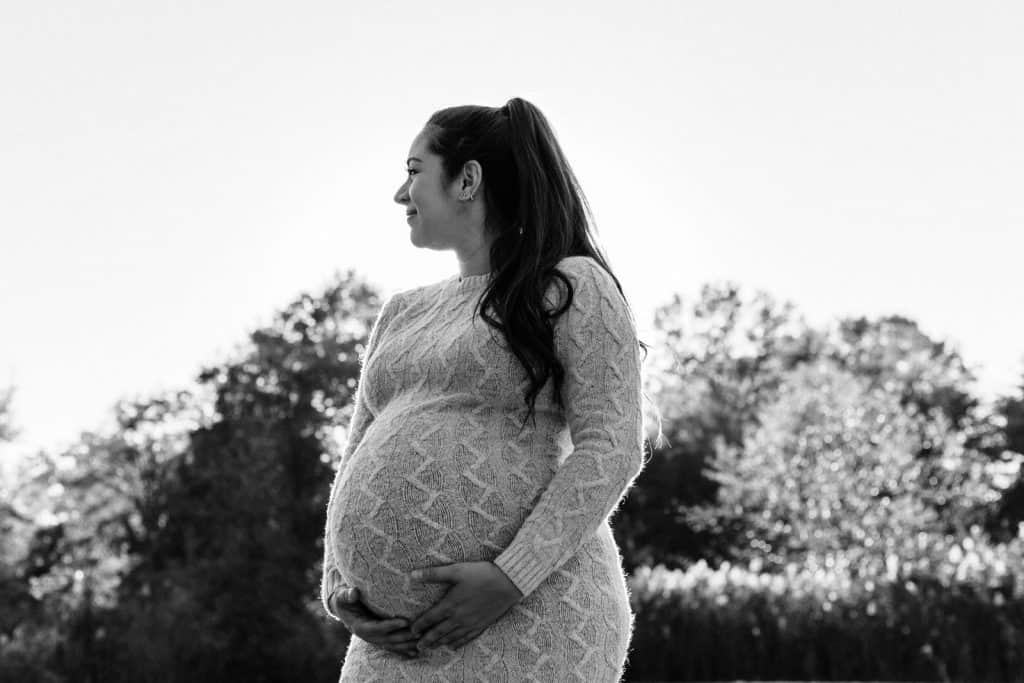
(413, 159)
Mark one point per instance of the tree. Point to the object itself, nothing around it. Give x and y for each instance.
(932, 379)
(832, 471)
(14, 594)
(186, 542)
(7, 430)
(893, 353)
(720, 362)
(716, 362)
(21, 611)
(1010, 515)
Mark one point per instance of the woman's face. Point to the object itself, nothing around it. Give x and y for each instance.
(434, 212)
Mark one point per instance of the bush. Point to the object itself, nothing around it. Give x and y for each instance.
(822, 623)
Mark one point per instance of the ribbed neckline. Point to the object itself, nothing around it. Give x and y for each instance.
(468, 282)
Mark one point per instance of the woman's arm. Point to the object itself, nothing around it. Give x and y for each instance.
(362, 416)
(596, 340)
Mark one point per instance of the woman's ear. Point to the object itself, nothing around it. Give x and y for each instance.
(471, 178)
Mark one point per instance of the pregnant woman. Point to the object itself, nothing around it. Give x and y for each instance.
(497, 424)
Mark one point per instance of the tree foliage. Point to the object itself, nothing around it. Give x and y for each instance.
(1009, 412)
(7, 430)
(833, 469)
(185, 544)
(715, 362)
(722, 360)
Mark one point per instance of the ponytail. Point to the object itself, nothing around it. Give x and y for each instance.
(537, 214)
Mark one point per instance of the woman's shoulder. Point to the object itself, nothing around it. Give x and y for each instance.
(399, 298)
(589, 280)
(576, 263)
(586, 272)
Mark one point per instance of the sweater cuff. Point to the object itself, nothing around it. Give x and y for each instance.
(523, 567)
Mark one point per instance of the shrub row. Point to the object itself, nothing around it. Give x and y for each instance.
(816, 623)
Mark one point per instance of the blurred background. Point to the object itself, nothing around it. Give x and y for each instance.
(814, 208)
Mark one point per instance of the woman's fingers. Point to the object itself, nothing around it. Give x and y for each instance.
(379, 631)
(353, 614)
(348, 596)
(406, 651)
(360, 623)
(433, 637)
(341, 600)
(379, 628)
(402, 641)
(399, 637)
(389, 633)
(463, 640)
(453, 636)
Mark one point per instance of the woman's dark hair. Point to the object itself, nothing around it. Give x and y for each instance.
(528, 185)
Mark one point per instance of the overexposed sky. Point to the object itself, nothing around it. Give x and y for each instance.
(173, 172)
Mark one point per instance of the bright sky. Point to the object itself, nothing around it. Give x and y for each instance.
(173, 172)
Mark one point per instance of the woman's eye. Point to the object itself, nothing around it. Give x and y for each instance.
(409, 171)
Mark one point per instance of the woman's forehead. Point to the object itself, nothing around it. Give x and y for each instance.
(418, 148)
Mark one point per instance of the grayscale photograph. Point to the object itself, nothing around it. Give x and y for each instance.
(527, 342)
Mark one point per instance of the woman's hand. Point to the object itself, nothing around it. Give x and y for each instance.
(479, 595)
(390, 634)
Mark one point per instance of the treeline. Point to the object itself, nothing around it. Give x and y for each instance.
(832, 505)
(185, 544)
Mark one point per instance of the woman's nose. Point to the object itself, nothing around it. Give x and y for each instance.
(401, 197)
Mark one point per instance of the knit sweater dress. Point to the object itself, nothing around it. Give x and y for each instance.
(436, 471)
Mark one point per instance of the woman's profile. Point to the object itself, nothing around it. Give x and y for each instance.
(497, 424)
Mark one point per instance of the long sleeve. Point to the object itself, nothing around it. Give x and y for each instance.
(362, 416)
(596, 340)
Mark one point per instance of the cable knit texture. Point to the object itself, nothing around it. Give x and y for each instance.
(437, 471)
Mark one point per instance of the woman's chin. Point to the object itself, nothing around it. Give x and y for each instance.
(414, 237)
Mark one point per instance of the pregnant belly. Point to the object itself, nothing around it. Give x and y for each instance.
(411, 497)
